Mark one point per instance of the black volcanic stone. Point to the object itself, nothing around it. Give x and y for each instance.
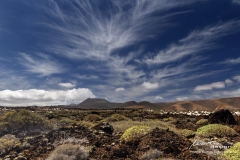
(105, 127)
(222, 117)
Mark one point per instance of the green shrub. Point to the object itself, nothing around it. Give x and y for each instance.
(216, 130)
(92, 118)
(134, 132)
(22, 120)
(232, 153)
(116, 118)
(187, 132)
(202, 122)
(69, 152)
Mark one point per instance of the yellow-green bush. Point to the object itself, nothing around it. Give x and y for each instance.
(134, 132)
(168, 119)
(121, 126)
(202, 122)
(187, 132)
(218, 130)
(92, 118)
(8, 142)
(65, 122)
(86, 123)
(232, 153)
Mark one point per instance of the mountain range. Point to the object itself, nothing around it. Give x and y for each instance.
(232, 103)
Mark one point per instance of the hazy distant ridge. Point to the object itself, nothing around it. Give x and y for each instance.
(232, 103)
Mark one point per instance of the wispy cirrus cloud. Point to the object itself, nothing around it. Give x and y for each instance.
(89, 77)
(41, 65)
(87, 33)
(90, 33)
(236, 1)
(195, 42)
(121, 69)
(190, 65)
(232, 61)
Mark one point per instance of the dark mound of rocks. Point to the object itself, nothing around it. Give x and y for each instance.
(222, 116)
(105, 127)
(39, 147)
(164, 143)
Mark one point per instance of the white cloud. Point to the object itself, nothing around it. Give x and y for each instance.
(195, 42)
(215, 85)
(43, 97)
(149, 85)
(119, 89)
(43, 66)
(237, 78)
(158, 97)
(181, 98)
(66, 85)
(228, 82)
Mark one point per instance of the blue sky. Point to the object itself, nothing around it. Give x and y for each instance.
(64, 51)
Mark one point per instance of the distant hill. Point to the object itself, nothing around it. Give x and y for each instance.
(99, 103)
(92, 101)
(209, 105)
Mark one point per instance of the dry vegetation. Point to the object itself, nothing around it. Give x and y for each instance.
(128, 125)
(69, 152)
(22, 121)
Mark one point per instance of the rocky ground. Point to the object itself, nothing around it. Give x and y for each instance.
(105, 145)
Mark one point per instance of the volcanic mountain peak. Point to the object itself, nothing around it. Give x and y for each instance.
(91, 101)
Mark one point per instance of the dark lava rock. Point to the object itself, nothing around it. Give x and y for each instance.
(121, 153)
(169, 144)
(105, 127)
(222, 116)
